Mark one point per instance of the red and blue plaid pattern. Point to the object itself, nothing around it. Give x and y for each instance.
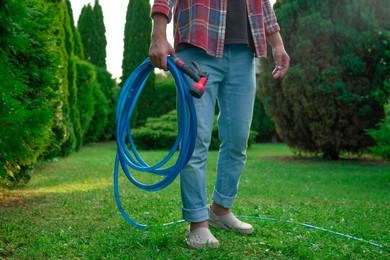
(202, 22)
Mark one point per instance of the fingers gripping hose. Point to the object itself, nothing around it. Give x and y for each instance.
(130, 158)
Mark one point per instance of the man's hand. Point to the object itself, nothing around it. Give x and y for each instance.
(160, 48)
(282, 60)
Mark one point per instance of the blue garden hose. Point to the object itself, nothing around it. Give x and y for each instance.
(185, 140)
(131, 159)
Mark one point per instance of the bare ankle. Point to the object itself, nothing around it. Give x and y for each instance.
(219, 210)
(195, 225)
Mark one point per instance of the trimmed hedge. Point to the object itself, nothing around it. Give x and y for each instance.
(28, 89)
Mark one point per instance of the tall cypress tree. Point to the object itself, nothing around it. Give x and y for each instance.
(99, 58)
(137, 36)
(78, 45)
(136, 48)
(65, 141)
(72, 86)
(92, 31)
(87, 29)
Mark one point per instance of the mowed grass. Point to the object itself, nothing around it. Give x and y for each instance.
(68, 210)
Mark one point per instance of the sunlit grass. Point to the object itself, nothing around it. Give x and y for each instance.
(68, 210)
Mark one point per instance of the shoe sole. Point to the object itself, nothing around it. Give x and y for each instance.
(199, 246)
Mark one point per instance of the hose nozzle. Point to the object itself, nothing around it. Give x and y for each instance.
(200, 77)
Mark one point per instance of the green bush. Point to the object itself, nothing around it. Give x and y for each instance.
(71, 113)
(164, 100)
(28, 89)
(262, 124)
(95, 131)
(158, 133)
(381, 135)
(334, 89)
(92, 103)
(48, 96)
(155, 100)
(111, 91)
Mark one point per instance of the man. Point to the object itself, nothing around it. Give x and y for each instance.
(223, 37)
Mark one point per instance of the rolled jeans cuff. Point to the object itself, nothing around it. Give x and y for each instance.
(222, 200)
(196, 215)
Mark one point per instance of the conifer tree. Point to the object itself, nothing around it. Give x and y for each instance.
(87, 29)
(28, 88)
(335, 88)
(101, 42)
(75, 140)
(92, 31)
(78, 45)
(64, 141)
(136, 48)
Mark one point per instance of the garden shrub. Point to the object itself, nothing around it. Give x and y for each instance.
(68, 76)
(96, 129)
(111, 91)
(28, 98)
(334, 89)
(381, 135)
(165, 99)
(158, 132)
(262, 124)
(92, 103)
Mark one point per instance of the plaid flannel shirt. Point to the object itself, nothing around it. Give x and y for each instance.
(202, 22)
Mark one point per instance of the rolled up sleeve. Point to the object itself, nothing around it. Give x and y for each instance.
(162, 7)
(270, 22)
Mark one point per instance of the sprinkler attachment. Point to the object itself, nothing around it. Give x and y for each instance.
(194, 72)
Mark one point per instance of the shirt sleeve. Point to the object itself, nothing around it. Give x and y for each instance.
(163, 7)
(270, 21)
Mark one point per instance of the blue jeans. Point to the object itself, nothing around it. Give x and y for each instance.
(232, 84)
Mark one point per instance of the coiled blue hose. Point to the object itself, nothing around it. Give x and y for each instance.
(185, 139)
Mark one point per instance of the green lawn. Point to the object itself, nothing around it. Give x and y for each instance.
(68, 210)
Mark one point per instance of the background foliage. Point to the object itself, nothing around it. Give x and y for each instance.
(136, 49)
(28, 90)
(336, 85)
(381, 136)
(49, 94)
(56, 94)
(92, 30)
